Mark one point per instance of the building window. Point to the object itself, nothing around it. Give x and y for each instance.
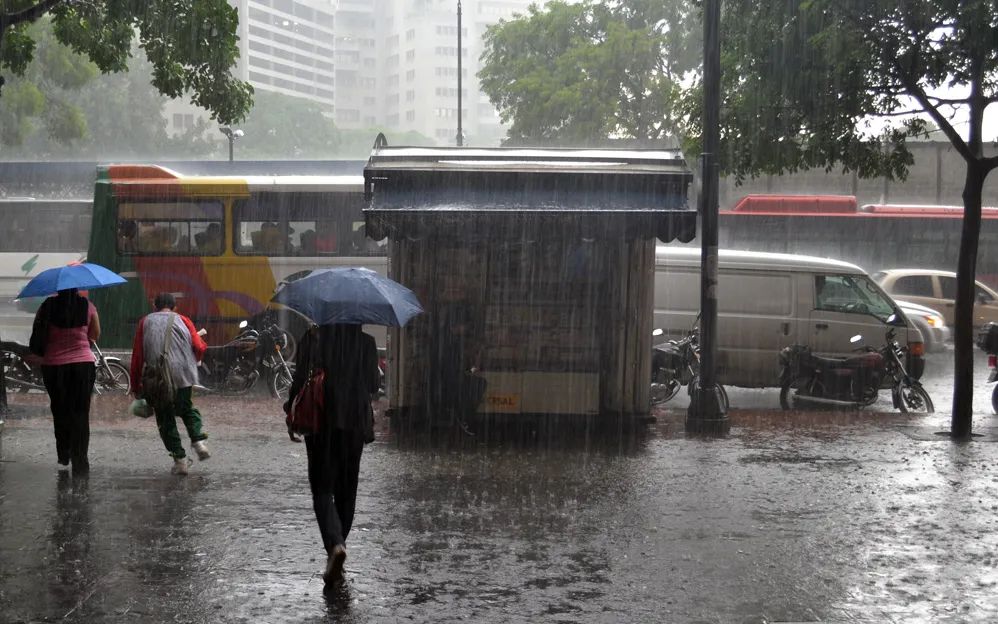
(410, 75)
(410, 96)
(410, 34)
(410, 115)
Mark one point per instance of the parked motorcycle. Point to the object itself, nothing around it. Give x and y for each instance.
(235, 367)
(853, 381)
(111, 374)
(674, 364)
(988, 342)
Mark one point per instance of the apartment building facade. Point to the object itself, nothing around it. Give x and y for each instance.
(389, 64)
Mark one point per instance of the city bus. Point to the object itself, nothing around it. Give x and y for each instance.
(873, 236)
(38, 234)
(221, 245)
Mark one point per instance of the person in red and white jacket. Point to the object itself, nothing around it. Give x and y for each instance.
(185, 351)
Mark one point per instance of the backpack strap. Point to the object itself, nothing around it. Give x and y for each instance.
(166, 337)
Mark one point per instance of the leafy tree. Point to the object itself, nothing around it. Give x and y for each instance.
(81, 114)
(283, 126)
(806, 82)
(584, 72)
(191, 45)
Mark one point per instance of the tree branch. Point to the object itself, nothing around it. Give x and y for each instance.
(29, 14)
(989, 164)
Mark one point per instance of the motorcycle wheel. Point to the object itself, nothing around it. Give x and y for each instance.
(786, 402)
(113, 378)
(912, 398)
(994, 400)
(17, 372)
(663, 392)
(280, 382)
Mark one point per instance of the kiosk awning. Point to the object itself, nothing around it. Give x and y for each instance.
(420, 192)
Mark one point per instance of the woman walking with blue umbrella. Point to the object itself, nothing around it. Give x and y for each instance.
(64, 327)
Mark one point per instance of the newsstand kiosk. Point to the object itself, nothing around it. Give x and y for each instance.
(536, 271)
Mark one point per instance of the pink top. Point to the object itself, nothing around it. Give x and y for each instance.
(70, 346)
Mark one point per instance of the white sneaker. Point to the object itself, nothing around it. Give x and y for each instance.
(181, 465)
(201, 448)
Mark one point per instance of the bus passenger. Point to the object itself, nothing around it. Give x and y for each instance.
(308, 243)
(325, 237)
(63, 329)
(270, 238)
(209, 242)
(127, 231)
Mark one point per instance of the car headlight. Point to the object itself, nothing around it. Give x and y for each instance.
(933, 321)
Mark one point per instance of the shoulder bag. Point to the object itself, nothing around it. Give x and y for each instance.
(308, 407)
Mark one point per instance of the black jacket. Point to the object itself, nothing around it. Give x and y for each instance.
(350, 359)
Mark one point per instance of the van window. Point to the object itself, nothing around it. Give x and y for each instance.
(914, 285)
(852, 294)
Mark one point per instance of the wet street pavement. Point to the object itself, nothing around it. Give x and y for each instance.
(802, 516)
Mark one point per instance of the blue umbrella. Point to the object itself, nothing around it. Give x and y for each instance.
(350, 295)
(84, 276)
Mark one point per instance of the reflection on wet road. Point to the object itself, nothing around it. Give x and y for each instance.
(819, 516)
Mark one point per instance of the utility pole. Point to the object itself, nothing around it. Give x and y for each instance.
(460, 131)
(706, 414)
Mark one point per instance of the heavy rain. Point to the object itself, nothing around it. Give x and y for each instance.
(498, 311)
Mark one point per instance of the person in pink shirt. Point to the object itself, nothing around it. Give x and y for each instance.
(63, 329)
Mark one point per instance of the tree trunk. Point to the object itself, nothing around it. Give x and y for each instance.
(963, 357)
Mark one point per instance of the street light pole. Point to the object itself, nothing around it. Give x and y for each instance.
(232, 135)
(706, 414)
(460, 131)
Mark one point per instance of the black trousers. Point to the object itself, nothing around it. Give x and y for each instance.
(333, 472)
(69, 387)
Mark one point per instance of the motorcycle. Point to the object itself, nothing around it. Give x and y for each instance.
(235, 367)
(674, 364)
(853, 381)
(111, 374)
(988, 342)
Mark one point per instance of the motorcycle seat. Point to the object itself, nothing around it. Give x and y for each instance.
(871, 359)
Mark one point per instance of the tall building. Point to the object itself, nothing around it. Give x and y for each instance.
(287, 46)
(388, 64)
(417, 81)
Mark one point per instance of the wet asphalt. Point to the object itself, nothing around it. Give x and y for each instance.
(794, 517)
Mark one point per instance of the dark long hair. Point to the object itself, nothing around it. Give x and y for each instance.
(67, 309)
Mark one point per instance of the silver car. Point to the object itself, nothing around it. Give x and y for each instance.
(932, 324)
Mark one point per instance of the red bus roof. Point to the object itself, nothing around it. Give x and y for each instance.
(844, 205)
(796, 204)
(919, 210)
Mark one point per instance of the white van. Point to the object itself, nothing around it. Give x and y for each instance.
(769, 301)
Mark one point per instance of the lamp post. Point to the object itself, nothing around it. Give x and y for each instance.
(706, 413)
(232, 134)
(460, 131)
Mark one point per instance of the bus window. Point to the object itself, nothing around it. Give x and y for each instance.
(261, 237)
(182, 228)
(361, 245)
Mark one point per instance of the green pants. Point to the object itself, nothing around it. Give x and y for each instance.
(166, 420)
